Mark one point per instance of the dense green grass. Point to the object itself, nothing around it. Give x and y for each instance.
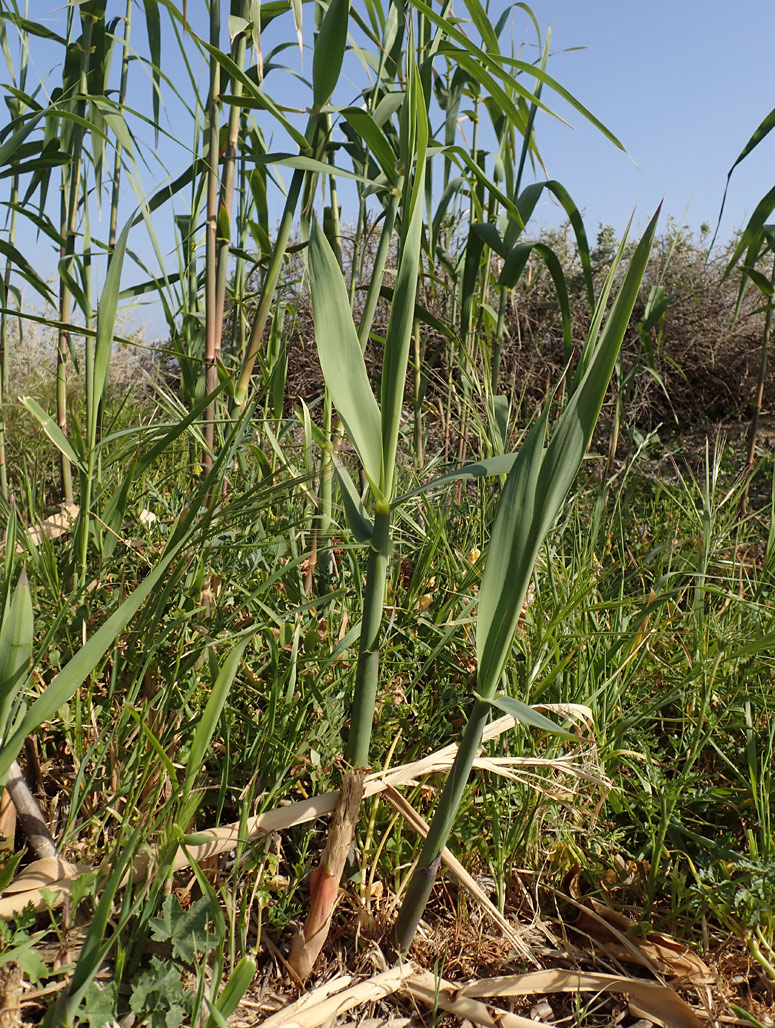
(653, 612)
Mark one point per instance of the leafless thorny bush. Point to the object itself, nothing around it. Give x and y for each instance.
(704, 360)
(32, 352)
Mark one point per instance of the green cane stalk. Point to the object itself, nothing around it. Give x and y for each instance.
(373, 428)
(327, 63)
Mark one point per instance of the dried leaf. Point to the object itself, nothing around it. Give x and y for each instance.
(656, 951)
(42, 873)
(654, 1000)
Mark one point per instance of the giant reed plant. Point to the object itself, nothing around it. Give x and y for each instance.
(533, 495)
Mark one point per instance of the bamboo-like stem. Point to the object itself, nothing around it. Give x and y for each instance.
(367, 673)
(117, 164)
(497, 346)
(4, 362)
(69, 230)
(212, 328)
(227, 181)
(238, 315)
(92, 409)
(423, 879)
(418, 419)
(268, 288)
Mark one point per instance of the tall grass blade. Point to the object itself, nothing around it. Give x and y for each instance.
(16, 635)
(207, 725)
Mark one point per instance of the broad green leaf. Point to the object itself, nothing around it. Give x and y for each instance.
(453, 187)
(526, 205)
(12, 145)
(469, 278)
(399, 337)
(761, 282)
(153, 29)
(527, 716)
(476, 62)
(511, 554)
(368, 130)
(255, 96)
(32, 28)
(573, 433)
(765, 127)
(499, 410)
(360, 526)
(489, 234)
(16, 635)
(340, 354)
(513, 267)
(302, 163)
(53, 431)
(24, 267)
(297, 20)
(483, 24)
(414, 127)
(329, 51)
(755, 225)
(424, 316)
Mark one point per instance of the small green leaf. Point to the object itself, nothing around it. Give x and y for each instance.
(185, 929)
(233, 991)
(360, 526)
(526, 715)
(53, 431)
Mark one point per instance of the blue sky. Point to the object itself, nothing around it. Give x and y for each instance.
(683, 84)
